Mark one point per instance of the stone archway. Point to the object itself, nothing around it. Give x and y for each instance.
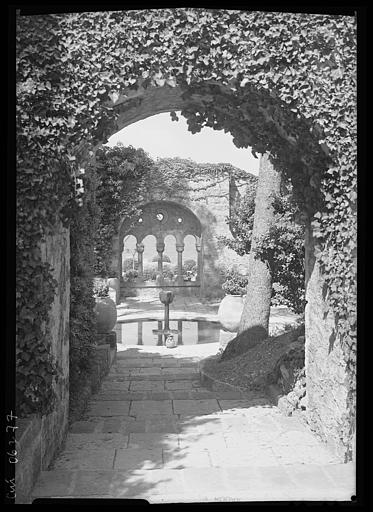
(271, 79)
(161, 219)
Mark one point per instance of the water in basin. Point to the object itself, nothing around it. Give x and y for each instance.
(193, 332)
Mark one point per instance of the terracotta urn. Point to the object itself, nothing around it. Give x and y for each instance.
(106, 314)
(230, 311)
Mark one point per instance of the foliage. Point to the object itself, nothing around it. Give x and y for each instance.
(83, 225)
(282, 248)
(283, 83)
(235, 283)
(182, 177)
(100, 290)
(189, 266)
(130, 275)
(241, 222)
(122, 179)
(150, 272)
(168, 272)
(165, 258)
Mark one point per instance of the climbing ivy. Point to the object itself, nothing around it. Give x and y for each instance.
(122, 176)
(283, 83)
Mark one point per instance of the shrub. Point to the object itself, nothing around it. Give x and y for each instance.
(129, 275)
(189, 266)
(165, 258)
(235, 283)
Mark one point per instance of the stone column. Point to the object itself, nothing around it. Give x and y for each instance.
(160, 250)
(180, 250)
(180, 329)
(139, 333)
(160, 337)
(140, 251)
(199, 261)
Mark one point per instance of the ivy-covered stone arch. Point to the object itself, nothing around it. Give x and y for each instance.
(282, 83)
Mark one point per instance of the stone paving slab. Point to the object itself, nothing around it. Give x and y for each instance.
(149, 484)
(202, 440)
(235, 404)
(139, 458)
(57, 482)
(149, 408)
(134, 362)
(134, 426)
(178, 385)
(113, 385)
(173, 372)
(147, 385)
(204, 480)
(162, 424)
(113, 426)
(158, 395)
(95, 441)
(255, 456)
(88, 458)
(150, 440)
(108, 408)
(152, 377)
(315, 477)
(82, 427)
(195, 407)
(186, 458)
(297, 453)
(120, 395)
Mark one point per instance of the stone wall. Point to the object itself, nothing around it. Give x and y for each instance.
(326, 404)
(210, 200)
(42, 437)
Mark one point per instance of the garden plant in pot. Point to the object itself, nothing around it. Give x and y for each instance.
(105, 309)
(230, 309)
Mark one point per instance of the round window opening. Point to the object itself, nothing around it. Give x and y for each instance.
(160, 216)
(180, 220)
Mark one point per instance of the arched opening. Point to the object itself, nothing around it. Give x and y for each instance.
(149, 273)
(162, 227)
(190, 259)
(129, 254)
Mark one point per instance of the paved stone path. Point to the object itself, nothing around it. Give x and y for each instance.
(153, 432)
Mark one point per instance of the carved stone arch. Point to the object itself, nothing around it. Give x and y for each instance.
(161, 219)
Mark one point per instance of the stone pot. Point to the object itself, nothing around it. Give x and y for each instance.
(170, 341)
(106, 314)
(230, 311)
(114, 284)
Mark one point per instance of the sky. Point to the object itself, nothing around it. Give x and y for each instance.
(161, 137)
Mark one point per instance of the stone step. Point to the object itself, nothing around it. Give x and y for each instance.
(178, 394)
(132, 375)
(195, 484)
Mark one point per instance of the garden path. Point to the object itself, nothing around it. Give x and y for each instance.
(153, 431)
